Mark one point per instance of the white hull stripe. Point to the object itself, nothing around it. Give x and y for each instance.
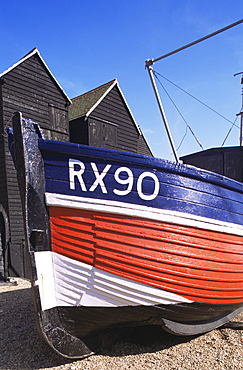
(179, 218)
(63, 281)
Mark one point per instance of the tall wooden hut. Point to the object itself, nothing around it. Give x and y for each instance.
(30, 87)
(102, 118)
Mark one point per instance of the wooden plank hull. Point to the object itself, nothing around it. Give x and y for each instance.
(183, 260)
(119, 239)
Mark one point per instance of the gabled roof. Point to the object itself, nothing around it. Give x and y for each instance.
(83, 105)
(35, 51)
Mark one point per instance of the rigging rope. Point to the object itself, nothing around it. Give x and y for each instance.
(187, 125)
(150, 62)
(156, 74)
(226, 137)
(198, 100)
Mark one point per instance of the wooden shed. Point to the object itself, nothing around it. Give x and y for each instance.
(226, 161)
(102, 118)
(30, 87)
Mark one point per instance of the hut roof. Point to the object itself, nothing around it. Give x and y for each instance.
(36, 52)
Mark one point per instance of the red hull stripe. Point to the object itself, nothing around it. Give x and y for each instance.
(200, 265)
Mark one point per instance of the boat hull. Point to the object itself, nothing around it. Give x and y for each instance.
(118, 239)
(197, 264)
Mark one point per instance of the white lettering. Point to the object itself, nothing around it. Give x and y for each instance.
(128, 181)
(99, 177)
(156, 186)
(76, 172)
(122, 175)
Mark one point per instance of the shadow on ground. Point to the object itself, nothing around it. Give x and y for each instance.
(21, 347)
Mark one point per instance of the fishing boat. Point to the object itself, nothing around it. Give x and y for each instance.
(118, 239)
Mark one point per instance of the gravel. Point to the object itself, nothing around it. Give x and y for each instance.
(143, 348)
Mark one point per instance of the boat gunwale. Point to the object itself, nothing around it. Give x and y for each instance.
(154, 163)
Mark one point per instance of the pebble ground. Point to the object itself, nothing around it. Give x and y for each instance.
(22, 349)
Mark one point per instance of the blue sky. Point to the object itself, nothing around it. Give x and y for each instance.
(88, 43)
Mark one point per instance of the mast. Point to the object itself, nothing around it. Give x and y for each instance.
(150, 62)
(241, 111)
(162, 112)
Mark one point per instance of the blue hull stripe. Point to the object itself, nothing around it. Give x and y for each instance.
(141, 180)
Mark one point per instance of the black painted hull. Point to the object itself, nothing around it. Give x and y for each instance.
(96, 327)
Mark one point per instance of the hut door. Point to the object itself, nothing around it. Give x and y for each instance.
(2, 249)
(109, 135)
(102, 134)
(95, 130)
